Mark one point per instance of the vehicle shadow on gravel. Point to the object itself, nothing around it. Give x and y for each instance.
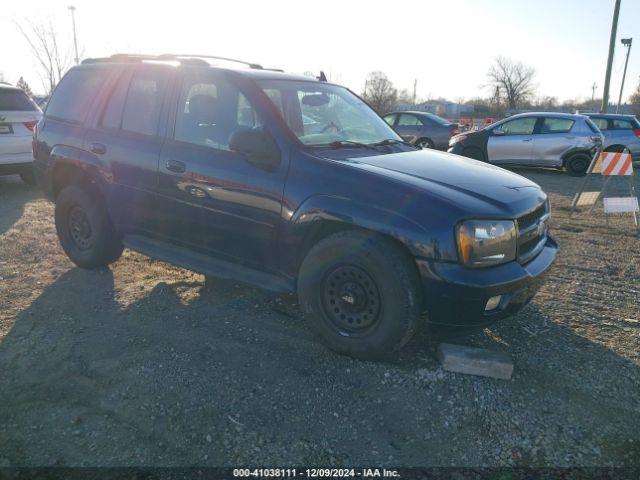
(234, 376)
(14, 195)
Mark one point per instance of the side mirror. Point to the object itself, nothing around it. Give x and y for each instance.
(259, 147)
(497, 132)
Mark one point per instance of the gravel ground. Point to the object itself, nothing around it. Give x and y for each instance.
(148, 364)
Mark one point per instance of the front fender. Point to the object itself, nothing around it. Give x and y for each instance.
(318, 208)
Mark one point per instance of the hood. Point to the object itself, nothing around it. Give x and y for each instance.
(456, 179)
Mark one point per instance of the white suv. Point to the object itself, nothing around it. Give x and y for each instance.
(18, 117)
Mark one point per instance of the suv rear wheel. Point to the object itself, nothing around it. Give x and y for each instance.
(85, 230)
(361, 293)
(578, 164)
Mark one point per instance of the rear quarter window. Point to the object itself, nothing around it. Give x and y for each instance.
(16, 101)
(618, 124)
(74, 95)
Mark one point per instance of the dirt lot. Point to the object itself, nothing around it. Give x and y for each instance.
(147, 364)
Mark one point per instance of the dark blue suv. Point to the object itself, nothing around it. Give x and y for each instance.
(291, 184)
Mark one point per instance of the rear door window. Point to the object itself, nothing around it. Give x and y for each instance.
(556, 125)
(12, 100)
(74, 95)
(409, 120)
(144, 103)
(112, 114)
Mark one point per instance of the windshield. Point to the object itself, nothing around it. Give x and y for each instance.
(320, 114)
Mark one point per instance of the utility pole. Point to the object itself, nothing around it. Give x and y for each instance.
(415, 86)
(593, 91)
(627, 43)
(75, 39)
(612, 46)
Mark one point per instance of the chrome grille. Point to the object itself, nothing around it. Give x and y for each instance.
(532, 232)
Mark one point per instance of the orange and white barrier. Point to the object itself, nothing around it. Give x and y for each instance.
(613, 164)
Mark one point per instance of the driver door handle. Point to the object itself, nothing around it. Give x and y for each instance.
(176, 166)
(527, 139)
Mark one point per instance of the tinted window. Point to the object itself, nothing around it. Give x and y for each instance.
(409, 120)
(556, 125)
(390, 119)
(437, 119)
(601, 123)
(72, 98)
(621, 124)
(142, 106)
(592, 126)
(519, 126)
(112, 115)
(211, 110)
(16, 101)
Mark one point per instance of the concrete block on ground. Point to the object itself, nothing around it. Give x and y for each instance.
(475, 361)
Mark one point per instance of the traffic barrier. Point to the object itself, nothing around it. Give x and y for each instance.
(614, 163)
(609, 165)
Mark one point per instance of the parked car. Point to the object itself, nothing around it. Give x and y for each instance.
(18, 117)
(620, 132)
(163, 158)
(424, 130)
(557, 140)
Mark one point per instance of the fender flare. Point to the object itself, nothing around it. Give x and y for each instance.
(86, 162)
(572, 151)
(349, 212)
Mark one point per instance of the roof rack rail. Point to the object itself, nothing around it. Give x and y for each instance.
(134, 58)
(213, 57)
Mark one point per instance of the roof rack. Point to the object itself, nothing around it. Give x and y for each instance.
(188, 58)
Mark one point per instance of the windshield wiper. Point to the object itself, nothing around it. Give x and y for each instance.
(349, 143)
(393, 141)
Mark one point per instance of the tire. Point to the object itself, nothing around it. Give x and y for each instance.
(28, 177)
(361, 293)
(424, 143)
(474, 153)
(85, 231)
(578, 164)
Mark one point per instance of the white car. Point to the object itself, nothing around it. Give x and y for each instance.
(18, 117)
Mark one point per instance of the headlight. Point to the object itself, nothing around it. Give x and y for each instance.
(456, 139)
(482, 243)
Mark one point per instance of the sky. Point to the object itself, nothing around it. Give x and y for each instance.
(447, 46)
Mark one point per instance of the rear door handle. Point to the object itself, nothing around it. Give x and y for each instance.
(527, 139)
(176, 166)
(98, 148)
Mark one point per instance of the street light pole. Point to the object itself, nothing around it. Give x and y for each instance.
(75, 39)
(612, 46)
(627, 43)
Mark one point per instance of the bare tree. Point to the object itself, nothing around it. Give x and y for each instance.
(43, 41)
(22, 83)
(379, 92)
(514, 79)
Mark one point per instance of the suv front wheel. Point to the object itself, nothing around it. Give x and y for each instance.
(361, 293)
(85, 231)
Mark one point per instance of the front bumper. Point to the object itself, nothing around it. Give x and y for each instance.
(457, 296)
